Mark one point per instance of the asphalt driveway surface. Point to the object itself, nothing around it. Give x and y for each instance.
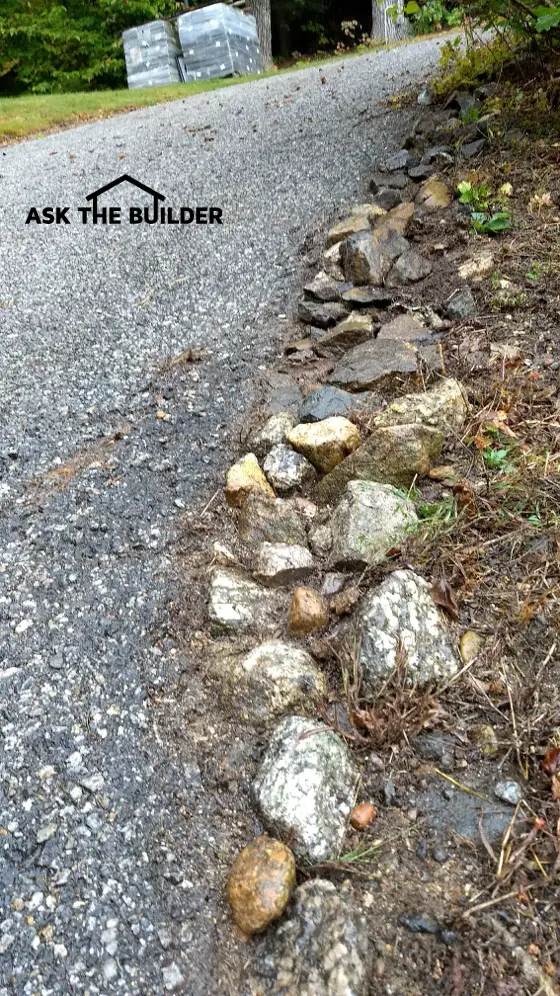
(108, 833)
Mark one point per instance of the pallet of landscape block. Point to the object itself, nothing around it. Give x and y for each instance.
(151, 53)
(219, 41)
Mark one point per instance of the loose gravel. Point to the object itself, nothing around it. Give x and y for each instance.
(109, 834)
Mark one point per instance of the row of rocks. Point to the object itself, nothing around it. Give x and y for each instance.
(355, 509)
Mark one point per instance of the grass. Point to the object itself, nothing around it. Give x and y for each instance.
(37, 114)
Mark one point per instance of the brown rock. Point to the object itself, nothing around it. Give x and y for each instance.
(368, 256)
(325, 443)
(308, 612)
(433, 196)
(244, 478)
(362, 815)
(356, 223)
(343, 603)
(260, 884)
(350, 332)
(444, 472)
(398, 220)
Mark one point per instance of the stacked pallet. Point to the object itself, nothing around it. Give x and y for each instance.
(206, 43)
(151, 52)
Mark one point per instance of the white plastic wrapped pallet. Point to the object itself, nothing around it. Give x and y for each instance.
(219, 41)
(151, 53)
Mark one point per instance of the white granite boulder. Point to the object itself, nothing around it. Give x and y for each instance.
(369, 520)
(400, 625)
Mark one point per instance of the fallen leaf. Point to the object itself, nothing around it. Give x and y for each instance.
(550, 763)
(442, 594)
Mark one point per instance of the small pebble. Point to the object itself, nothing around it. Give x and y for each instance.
(362, 815)
(440, 854)
(509, 792)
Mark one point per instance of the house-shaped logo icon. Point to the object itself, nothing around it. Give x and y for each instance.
(125, 178)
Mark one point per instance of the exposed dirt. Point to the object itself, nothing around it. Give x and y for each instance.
(441, 844)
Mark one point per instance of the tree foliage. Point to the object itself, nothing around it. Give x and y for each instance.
(50, 46)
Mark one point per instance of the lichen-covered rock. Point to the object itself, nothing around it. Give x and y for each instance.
(327, 402)
(469, 646)
(260, 883)
(244, 478)
(282, 563)
(270, 520)
(325, 443)
(395, 454)
(375, 365)
(271, 433)
(371, 211)
(240, 605)
(308, 612)
(321, 948)
(305, 787)
(287, 471)
(355, 223)
(274, 679)
(400, 625)
(369, 520)
(323, 288)
(356, 328)
(461, 303)
(443, 407)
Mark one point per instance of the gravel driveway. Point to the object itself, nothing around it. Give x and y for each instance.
(109, 836)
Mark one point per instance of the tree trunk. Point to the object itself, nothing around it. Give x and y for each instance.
(261, 10)
(385, 27)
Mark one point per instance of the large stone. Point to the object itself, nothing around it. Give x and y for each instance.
(404, 328)
(283, 563)
(355, 223)
(370, 211)
(433, 196)
(321, 948)
(327, 402)
(239, 605)
(396, 454)
(270, 520)
(322, 315)
(380, 180)
(325, 443)
(349, 332)
(400, 626)
(260, 883)
(368, 256)
(375, 365)
(274, 679)
(305, 787)
(369, 521)
(287, 471)
(244, 478)
(443, 407)
(323, 288)
(409, 268)
(308, 612)
(388, 198)
(271, 433)
(398, 220)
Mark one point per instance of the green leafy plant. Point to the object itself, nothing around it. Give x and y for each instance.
(537, 271)
(432, 15)
(490, 224)
(485, 219)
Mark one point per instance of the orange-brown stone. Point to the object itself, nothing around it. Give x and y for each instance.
(308, 612)
(260, 883)
(362, 815)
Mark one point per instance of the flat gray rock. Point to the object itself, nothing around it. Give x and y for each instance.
(369, 520)
(322, 315)
(323, 288)
(411, 267)
(320, 948)
(328, 401)
(461, 303)
(400, 625)
(375, 365)
(305, 787)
